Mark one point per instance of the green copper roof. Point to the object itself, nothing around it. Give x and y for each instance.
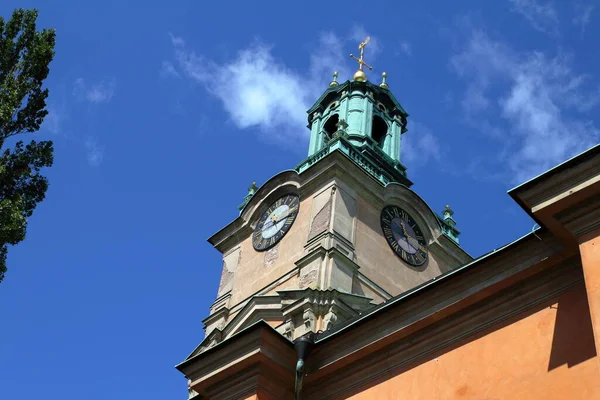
(334, 91)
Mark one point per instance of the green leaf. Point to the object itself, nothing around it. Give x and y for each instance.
(25, 56)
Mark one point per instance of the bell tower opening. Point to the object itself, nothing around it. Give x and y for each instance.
(379, 130)
(330, 126)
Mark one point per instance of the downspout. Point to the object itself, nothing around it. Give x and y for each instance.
(303, 346)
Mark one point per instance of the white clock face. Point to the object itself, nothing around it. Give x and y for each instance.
(275, 222)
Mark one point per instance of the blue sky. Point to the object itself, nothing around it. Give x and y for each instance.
(163, 115)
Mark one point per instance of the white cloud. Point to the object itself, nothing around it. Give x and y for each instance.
(259, 91)
(540, 100)
(542, 16)
(168, 69)
(325, 59)
(95, 152)
(419, 145)
(99, 92)
(582, 16)
(405, 48)
(176, 41)
(255, 89)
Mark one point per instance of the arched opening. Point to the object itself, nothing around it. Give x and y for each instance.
(379, 130)
(330, 126)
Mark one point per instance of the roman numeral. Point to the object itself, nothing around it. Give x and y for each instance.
(387, 231)
(272, 240)
(395, 212)
(420, 257)
(395, 246)
(404, 255)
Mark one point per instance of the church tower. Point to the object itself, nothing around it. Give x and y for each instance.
(340, 233)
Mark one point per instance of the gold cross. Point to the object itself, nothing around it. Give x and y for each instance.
(360, 61)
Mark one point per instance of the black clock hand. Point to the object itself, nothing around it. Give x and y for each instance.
(409, 238)
(290, 211)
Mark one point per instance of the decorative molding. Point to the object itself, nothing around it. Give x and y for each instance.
(256, 360)
(259, 307)
(373, 286)
(317, 310)
(221, 302)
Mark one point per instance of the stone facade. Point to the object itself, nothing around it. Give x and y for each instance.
(335, 243)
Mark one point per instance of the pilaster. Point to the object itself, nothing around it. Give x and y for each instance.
(583, 221)
(315, 133)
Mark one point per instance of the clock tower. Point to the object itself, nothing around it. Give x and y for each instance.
(342, 232)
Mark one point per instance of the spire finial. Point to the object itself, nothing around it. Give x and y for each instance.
(383, 83)
(334, 82)
(252, 189)
(448, 213)
(360, 75)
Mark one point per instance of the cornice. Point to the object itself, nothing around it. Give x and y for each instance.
(217, 369)
(559, 182)
(581, 218)
(350, 86)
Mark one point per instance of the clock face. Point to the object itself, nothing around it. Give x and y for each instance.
(275, 222)
(403, 235)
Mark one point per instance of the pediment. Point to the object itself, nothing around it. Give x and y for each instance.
(258, 308)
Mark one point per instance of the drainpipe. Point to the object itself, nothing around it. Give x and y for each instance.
(303, 346)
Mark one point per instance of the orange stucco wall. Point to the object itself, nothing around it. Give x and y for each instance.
(590, 261)
(547, 353)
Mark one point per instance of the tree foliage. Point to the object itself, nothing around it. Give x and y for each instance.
(25, 56)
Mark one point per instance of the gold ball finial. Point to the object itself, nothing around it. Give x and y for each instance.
(383, 83)
(334, 81)
(360, 76)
